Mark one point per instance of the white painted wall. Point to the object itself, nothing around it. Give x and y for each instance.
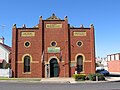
(6, 73)
(4, 54)
(112, 57)
(117, 57)
(2, 40)
(108, 58)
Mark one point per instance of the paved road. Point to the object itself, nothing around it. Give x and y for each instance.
(41, 86)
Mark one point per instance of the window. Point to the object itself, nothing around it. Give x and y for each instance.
(53, 43)
(79, 63)
(79, 43)
(27, 44)
(27, 64)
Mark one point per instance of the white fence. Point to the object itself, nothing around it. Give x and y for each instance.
(5, 73)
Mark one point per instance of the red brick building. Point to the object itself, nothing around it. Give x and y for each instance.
(52, 49)
(114, 63)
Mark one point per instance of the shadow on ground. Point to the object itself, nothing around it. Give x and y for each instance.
(113, 75)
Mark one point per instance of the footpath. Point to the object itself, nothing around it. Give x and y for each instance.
(60, 80)
(72, 80)
(112, 78)
(57, 80)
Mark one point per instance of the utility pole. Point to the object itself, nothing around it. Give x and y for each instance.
(3, 26)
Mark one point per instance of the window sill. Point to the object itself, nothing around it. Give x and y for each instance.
(26, 72)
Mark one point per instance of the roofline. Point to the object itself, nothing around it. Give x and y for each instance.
(78, 28)
(27, 28)
(113, 54)
(53, 20)
(5, 47)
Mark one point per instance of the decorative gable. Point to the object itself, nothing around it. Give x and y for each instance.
(53, 17)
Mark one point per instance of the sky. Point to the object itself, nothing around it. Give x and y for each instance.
(103, 14)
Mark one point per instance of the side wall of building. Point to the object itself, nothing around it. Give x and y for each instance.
(114, 63)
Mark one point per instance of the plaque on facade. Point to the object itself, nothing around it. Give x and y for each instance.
(53, 25)
(27, 34)
(53, 49)
(79, 33)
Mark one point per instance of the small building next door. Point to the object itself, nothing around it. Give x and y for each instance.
(54, 68)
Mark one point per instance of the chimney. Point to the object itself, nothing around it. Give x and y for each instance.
(2, 40)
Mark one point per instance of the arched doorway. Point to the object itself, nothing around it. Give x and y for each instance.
(79, 64)
(54, 68)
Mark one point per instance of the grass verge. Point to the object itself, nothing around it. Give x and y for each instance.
(24, 79)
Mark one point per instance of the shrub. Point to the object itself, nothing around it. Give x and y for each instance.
(79, 77)
(93, 77)
(100, 77)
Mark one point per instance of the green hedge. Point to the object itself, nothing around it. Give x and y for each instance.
(79, 77)
(93, 77)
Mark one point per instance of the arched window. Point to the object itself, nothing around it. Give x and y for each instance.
(27, 64)
(79, 63)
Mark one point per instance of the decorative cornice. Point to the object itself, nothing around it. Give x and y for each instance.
(91, 26)
(14, 26)
(81, 26)
(53, 17)
(35, 26)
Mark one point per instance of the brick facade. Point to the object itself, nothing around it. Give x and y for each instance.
(52, 41)
(113, 61)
